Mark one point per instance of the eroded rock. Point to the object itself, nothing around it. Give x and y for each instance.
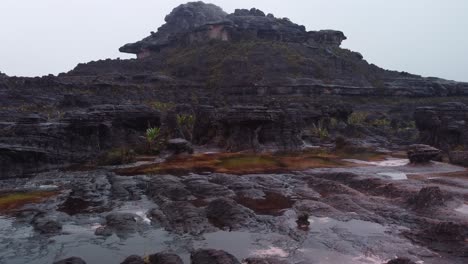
(420, 154)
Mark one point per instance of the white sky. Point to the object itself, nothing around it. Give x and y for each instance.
(427, 37)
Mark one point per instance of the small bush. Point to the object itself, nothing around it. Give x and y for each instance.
(154, 139)
(320, 130)
(357, 118)
(117, 156)
(161, 106)
(185, 124)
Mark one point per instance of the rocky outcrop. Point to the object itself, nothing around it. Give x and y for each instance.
(420, 154)
(427, 197)
(33, 144)
(443, 125)
(197, 22)
(179, 145)
(182, 19)
(459, 158)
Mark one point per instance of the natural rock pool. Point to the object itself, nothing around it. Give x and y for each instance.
(361, 212)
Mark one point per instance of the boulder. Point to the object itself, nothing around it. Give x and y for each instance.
(419, 154)
(165, 258)
(134, 259)
(72, 260)
(401, 261)
(226, 213)
(212, 256)
(179, 145)
(46, 225)
(427, 197)
(124, 222)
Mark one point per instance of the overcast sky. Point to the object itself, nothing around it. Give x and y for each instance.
(427, 37)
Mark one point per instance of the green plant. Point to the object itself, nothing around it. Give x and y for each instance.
(381, 122)
(185, 124)
(154, 140)
(320, 130)
(357, 118)
(117, 156)
(161, 106)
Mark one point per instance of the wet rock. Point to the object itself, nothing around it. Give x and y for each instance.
(303, 221)
(103, 231)
(427, 197)
(46, 225)
(265, 261)
(419, 154)
(179, 146)
(449, 232)
(165, 258)
(226, 213)
(212, 256)
(72, 260)
(443, 125)
(202, 187)
(134, 259)
(401, 261)
(459, 158)
(122, 222)
(183, 217)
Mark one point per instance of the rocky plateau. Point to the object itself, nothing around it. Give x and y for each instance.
(233, 138)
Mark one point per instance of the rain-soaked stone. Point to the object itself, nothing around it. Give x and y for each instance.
(72, 260)
(401, 261)
(134, 259)
(165, 258)
(226, 213)
(46, 225)
(212, 256)
(427, 197)
(265, 261)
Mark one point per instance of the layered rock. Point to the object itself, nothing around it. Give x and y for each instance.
(197, 22)
(419, 153)
(33, 144)
(443, 125)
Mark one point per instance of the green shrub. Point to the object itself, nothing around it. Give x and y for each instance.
(185, 124)
(117, 156)
(357, 118)
(154, 140)
(320, 130)
(161, 106)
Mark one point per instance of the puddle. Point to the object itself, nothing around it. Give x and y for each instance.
(244, 244)
(463, 209)
(271, 204)
(397, 176)
(383, 163)
(14, 200)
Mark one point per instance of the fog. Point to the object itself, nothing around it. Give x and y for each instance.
(426, 37)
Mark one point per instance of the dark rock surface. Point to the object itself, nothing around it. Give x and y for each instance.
(72, 260)
(401, 261)
(428, 197)
(165, 258)
(179, 145)
(212, 256)
(418, 154)
(443, 125)
(134, 259)
(46, 225)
